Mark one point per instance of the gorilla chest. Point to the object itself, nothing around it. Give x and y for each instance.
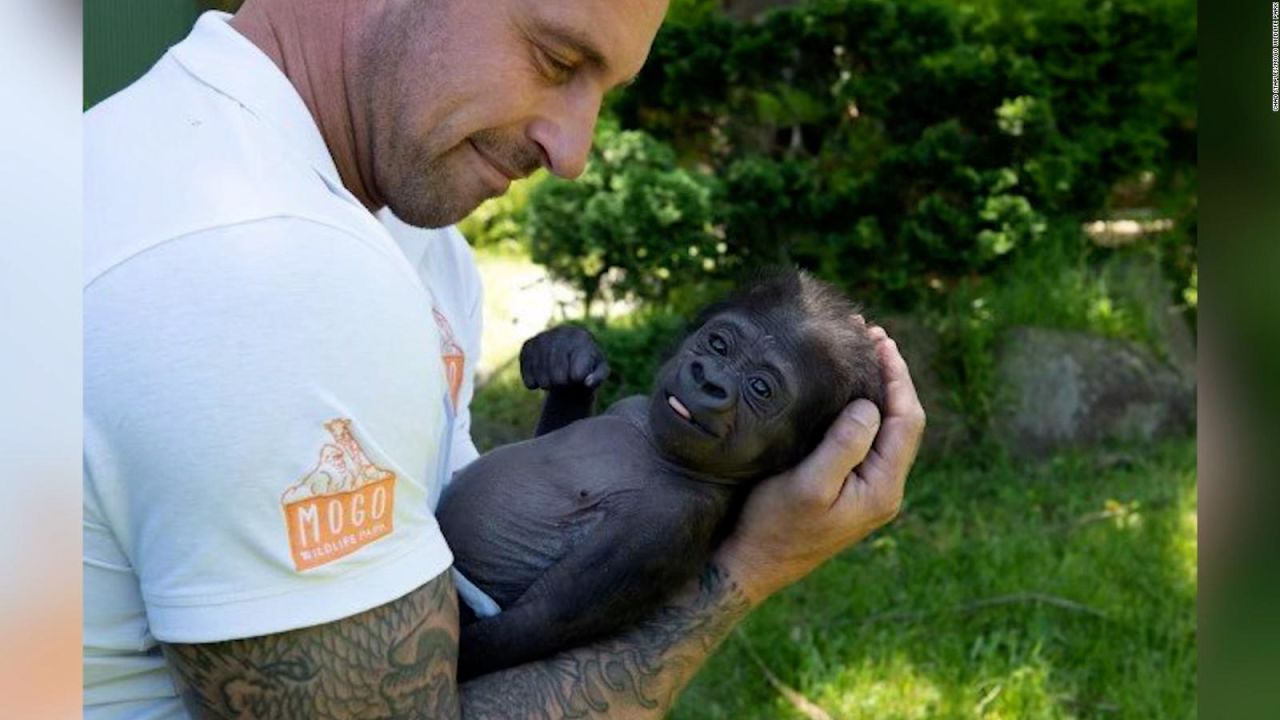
(519, 509)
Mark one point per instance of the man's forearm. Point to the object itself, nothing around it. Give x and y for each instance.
(398, 661)
(636, 674)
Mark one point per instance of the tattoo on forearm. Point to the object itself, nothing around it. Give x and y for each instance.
(398, 661)
(636, 670)
(395, 661)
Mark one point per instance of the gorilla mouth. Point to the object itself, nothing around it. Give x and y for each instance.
(680, 409)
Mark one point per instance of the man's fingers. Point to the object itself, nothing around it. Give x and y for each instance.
(900, 392)
(821, 475)
(881, 479)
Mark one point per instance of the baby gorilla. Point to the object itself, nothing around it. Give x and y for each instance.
(581, 531)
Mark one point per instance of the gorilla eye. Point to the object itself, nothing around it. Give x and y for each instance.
(761, 388)
(718, 344)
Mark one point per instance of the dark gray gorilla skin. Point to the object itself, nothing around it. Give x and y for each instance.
(569, 533)
(579, 532)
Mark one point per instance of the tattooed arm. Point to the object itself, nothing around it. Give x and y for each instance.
(398, 661)
(394, 661)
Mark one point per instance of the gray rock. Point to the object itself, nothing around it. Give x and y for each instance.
(1138, 278)
(1058, 389)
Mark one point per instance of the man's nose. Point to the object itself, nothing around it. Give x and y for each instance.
(566, 130)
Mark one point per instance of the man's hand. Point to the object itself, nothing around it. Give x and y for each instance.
(562, 357)
(795, 521)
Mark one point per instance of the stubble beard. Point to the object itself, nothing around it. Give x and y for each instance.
(415, 181)
(422, 189)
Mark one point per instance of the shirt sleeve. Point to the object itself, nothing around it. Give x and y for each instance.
(264, 418)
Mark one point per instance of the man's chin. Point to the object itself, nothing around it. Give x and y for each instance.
(422, 210)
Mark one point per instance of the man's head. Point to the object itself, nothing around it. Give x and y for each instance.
(755, 385)
(458, 96)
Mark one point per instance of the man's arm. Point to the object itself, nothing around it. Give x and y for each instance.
(394, 661)
(399, 660)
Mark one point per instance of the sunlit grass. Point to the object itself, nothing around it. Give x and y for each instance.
(1060, 591)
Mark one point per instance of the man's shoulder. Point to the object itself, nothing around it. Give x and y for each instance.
(169, 157)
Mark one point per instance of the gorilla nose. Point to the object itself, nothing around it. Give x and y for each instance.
(714, 391)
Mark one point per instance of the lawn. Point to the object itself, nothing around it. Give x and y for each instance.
(1066, 590)
(1062, 589)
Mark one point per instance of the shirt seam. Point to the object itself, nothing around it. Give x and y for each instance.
(225, 226)
(206, 601)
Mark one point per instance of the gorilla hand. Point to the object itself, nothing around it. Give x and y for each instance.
(561, 358)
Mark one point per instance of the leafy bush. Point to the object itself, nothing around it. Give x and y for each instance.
(499, 222)
(632, 209)
(899, 148)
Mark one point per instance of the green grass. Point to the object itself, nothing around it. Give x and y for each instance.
(1065, 590)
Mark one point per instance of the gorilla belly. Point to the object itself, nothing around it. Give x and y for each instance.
(519, 509)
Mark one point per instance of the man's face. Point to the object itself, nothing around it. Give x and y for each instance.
(462, 96)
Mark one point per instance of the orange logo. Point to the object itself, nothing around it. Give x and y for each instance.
(451, 353)
(342, 504)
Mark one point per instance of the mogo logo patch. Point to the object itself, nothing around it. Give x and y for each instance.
(455, 361)
(342, 504)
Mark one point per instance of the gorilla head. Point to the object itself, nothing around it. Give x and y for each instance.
(761, 376)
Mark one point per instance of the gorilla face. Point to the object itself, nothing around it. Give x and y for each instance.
(726, 403)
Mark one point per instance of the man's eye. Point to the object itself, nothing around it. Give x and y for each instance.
(761, 388)
(718, 344)
(556, 69)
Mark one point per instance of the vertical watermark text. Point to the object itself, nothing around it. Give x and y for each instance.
(1275, 57)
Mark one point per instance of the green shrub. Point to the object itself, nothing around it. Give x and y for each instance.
(499, 222)
(632, 210)
(889, 146)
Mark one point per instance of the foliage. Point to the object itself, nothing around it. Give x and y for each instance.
(895, 148)
(499, 222)
(632, 209)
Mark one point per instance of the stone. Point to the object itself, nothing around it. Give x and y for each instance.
(1139, 278)
(1058, 389)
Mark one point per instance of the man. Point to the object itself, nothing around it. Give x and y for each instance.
(267, 410)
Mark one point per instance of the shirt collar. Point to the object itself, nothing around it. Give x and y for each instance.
(219, 56)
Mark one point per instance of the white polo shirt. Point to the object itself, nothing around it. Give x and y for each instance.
(267, 413)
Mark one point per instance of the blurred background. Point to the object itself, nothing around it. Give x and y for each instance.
(1011, 189)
